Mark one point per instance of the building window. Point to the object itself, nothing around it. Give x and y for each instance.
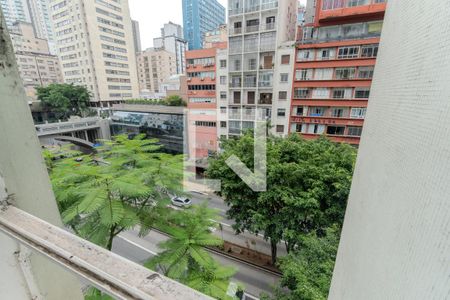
(285, 59)
(223, 79)
(316, 128)
(223, 63)
(299, 110)
(354, 131)
(284, 77)
(205, 124)
(281, 112)
(317, 111)
(362, 93)
(345, 73)
(337, 112)
(223, 110)
(358, 112)
(305, 55)
(326, 54)
(369, 50)
(280, 128)
(282, 95)
(336, 130)
(303, 74)
(223, 95)
(365, 72)
(223, 124)
(321, 93)
(348, 52)
(301, 93)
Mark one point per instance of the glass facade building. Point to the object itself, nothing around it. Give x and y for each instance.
(199, 17)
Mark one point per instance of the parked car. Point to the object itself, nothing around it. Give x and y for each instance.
(181, 201)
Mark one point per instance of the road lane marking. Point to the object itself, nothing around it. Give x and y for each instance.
(138, 245)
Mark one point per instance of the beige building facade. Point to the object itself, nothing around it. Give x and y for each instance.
(154, 67)
(37, 67)
(96, 48)
(215, 36)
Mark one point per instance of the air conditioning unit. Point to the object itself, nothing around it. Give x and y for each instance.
(202, 79)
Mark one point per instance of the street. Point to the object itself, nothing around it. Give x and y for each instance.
(245, 239)
(131, 246)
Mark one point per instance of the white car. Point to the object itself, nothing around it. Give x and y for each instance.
(181, 201)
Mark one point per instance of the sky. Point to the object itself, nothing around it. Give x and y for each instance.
(152, 14)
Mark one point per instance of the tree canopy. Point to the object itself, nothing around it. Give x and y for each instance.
(125, 184)
(307, 272)
(308, 182)
(184, 257)
(65, 100)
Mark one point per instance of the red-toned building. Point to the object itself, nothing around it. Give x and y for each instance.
(202, 101)
(335, 61)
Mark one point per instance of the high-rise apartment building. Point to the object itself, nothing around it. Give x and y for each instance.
(261, 55)
(202, 83)
(15, 10)
(136, 36)
(154, 67)
(40, 18)
(335, 61)
(35, 12)
(172, 40)
(199, 17)
(37, 66)
(95, 46)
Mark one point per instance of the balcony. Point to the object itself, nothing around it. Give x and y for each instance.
(103, 269)
(235, 11)
(252, 8)
(234, 31)
(252, 28)
(269, 5)
(269, 26)
(336, 9)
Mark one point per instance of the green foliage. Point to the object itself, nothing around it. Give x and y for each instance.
(184, 257)
(307, 187)
(126, 184)
(65, 100)
(173, 100)
(94, 294)
(307, 273)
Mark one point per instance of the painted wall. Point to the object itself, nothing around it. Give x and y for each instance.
(395, 242)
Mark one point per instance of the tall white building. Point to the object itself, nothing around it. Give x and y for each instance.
(96, 48)
(15, 10)
(136, 36)
(260, 63)
(172, 40)
(39, 11)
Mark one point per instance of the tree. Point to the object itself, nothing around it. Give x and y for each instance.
(308, 182)
(126, 184)
(65, 100)
(174, 100)
(184, 257)
(307, 273)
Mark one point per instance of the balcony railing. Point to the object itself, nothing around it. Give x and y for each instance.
(337, 4)
(269, 5)
(340, 38)
(252, 28)
(270, 26)
(107, 271)
(235, 11)
(236, 30)
(252, 8)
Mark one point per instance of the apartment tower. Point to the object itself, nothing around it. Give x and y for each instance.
(202, 84)
(261, 55)
(172, 40)
(199, 17)
(96, 48)
(37, 66)
(154, 67)
(335, 62)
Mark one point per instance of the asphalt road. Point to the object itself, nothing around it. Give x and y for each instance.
(131, 246)
(245, 239)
